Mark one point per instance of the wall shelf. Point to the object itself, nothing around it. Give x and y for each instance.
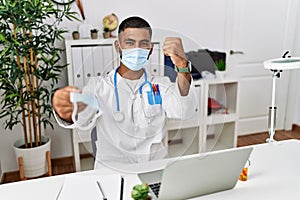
(216, 130)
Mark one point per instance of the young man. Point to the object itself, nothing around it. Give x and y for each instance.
(132, 105)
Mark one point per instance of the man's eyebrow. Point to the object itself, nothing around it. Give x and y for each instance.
(145, 40)
(131, 40)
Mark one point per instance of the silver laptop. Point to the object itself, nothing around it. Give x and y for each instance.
(198, 174)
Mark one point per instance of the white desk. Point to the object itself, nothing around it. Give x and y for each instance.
(273, 174)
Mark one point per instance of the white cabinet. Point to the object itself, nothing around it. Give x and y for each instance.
(218, 129)
(207, 131)
(87, 58)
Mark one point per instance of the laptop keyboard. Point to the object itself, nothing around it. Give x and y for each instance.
(155, 188)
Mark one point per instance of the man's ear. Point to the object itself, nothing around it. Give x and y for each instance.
(117, 47)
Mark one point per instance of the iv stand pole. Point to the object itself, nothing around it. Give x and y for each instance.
(272, 109)
(276, 66)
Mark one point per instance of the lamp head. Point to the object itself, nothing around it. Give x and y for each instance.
(283, 63)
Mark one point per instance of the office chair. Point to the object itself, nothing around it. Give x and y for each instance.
(93, 140)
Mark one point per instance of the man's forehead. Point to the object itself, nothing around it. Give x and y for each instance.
(135, 34)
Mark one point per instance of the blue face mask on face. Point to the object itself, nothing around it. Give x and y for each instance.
(135, 58)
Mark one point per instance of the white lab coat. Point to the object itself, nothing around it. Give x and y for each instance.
(137, 138)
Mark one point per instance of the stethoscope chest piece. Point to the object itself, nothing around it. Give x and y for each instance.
(119, 116)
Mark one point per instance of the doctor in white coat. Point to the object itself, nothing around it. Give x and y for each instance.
(130, 107)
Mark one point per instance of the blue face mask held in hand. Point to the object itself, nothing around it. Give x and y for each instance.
(89, 100)
(135, 59)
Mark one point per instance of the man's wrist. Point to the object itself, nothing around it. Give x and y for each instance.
(183, 64)
(185, 68)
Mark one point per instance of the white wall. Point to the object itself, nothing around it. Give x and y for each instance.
(201, 23)
(192, 19)
(296, 74)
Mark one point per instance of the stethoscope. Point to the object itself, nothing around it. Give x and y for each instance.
(118, 115)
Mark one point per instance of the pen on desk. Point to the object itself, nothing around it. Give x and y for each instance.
(122, 188)
(59, 192)
(101, 190)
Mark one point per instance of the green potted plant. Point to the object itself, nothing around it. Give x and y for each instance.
(106, 32)
(220, 64)
(94, 33)
(29, 70)
(221, 67)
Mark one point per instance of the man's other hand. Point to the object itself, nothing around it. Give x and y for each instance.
(173, 47)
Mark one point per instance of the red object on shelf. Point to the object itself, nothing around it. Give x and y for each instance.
(213, 104)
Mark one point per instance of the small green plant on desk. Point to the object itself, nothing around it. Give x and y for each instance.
(140, 192)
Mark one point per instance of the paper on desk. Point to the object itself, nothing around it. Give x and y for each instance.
(85, 187)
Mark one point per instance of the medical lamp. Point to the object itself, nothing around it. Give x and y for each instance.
(277, 66)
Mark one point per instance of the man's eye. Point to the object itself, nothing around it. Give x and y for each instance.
(130, 43)
(145, 44)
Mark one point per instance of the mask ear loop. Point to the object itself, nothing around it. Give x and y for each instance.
(150, 52)
(120, 49)
(91, 122)
(74, 113)
(120, 52)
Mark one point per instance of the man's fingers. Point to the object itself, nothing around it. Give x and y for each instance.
(65, 110)
(64, 93)
(72, 89)
(170, 47)
(173, 47)
(61, 102)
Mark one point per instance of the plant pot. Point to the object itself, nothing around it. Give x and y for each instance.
(106, 34)
(149, 198)
(220, 74)
(76, 35)
(94, 35)
(34, 159)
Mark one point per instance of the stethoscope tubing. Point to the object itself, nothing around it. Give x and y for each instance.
(116, 87)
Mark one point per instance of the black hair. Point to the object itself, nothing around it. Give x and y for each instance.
(134, 22)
